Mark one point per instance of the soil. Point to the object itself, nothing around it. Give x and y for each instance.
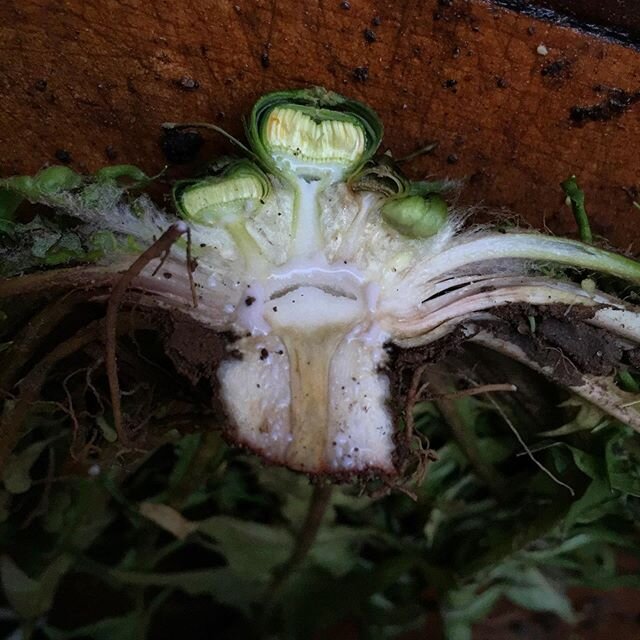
(123, 71)
(558, 337)
(195, 350)
(561, 339)
(591, 349)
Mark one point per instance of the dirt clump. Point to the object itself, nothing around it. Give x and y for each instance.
(195, 350)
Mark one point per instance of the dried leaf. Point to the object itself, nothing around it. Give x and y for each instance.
(168, 518)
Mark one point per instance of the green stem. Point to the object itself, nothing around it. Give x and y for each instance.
(576, 197)
(535, 247)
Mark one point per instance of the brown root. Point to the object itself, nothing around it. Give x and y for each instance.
(31, 384)
(159, 249)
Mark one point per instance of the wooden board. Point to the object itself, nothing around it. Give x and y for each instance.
(96, 78)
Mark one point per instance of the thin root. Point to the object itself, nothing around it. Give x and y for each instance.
(158, 249)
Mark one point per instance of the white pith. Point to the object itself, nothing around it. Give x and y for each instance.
(315, 400)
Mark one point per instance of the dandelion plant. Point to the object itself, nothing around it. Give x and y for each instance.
(320, 264)
(329, 315)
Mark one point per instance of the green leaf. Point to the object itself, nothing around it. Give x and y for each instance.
(587, 463)
(127, 627)
(222, 583)
(31, 597)
(55, 179)
(67, 248)
(464, 606)
(590, 506)
(88, 515)
(49, 182)
(589, 417)
(104, 242)
(186, 449)
(590, 537)
(60, 502)
(9, 203)
(336, 548)
(623, 463)
(533, 591)
(17, 473)
(253, 550)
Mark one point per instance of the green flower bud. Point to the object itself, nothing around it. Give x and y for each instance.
(238, 187)
(312, 132)
(416, 216)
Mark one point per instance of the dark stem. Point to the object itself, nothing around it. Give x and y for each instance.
(10, 426)
(464, 435)
(212, 127)
(318, 504)
(31, 337)
(31, 384)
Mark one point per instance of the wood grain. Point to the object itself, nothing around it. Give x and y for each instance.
(87, 75)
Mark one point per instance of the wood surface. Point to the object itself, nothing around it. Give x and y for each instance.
(96, 78)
